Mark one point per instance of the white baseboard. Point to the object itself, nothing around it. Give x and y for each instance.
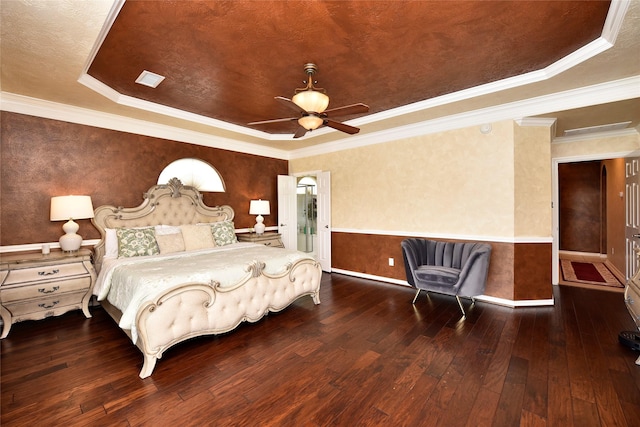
(485, 298)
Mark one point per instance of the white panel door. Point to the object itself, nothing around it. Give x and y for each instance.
(287, 218)
(324, 220)
(632, 216)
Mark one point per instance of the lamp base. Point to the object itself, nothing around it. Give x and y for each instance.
(71, 241)
(259, 227)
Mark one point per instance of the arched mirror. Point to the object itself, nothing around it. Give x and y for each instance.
(194, 172)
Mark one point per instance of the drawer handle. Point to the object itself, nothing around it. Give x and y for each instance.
(44, 291)
(49, 273)
(629, 300)
(53, 304)
(268, 244)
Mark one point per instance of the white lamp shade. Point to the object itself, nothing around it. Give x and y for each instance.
(259, 207)
(71, 207)
(67, 208)
(311, 101)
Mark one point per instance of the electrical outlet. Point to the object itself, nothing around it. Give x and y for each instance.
(391, 262)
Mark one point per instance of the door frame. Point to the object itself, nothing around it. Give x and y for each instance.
(555, 201)
(326, 263)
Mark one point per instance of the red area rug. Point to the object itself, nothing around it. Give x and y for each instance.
(591, 273)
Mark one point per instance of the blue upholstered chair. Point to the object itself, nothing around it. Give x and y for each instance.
(452, 268)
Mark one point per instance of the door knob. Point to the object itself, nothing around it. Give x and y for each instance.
(636, 235)
(326, 226)
(283, 225)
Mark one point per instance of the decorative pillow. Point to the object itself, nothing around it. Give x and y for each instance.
(167, 229)
(197, 237)
(136, 242)
(169, 243)
(110, 243)
(224, 233)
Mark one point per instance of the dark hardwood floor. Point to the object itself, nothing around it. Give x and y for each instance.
(364, 357)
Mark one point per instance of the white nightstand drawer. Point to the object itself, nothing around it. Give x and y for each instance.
(42, 290)
(27, 309)
(44, 273)
(35, 286)
(273, 242)
(268, 239)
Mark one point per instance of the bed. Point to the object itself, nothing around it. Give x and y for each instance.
(163, 295)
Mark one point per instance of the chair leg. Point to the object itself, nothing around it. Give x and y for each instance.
(416, 297)
(461, 307)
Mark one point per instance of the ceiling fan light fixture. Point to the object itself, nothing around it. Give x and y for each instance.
(311, 100)
(310, 122)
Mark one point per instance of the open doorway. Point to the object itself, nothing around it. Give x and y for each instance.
(304, 214)
(591, 217)
(307, 214)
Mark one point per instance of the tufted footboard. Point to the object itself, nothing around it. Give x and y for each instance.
(197, 309)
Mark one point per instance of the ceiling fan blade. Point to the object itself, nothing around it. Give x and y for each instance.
(341, 127)
(300, 132)
(348, 109)
(289, 103)
(288, 119)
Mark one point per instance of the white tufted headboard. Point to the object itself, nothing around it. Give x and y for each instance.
(170, 204)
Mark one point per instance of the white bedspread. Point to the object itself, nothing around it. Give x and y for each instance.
(128, 282)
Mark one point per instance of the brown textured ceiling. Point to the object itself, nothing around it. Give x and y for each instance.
(228, 59)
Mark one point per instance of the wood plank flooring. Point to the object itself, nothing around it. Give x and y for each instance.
(364, 357)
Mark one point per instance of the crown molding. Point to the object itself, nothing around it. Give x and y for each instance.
(595, 135)
(52, 110)
(536, 122)
(519, 110)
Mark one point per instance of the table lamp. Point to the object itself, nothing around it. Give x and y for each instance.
(70, 208)
(259, 207)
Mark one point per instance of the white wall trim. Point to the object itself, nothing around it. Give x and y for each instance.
(613, 91)
(516, 303)
(594, 135)
(370, 277)
(536, 122)
(606, 92)
(485, 298)
(52, 110)
(595, 156)
(402, 233)
(38, 246)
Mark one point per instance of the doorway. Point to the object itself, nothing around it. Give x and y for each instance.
(304, 214)
(599, 232)
(307, 214)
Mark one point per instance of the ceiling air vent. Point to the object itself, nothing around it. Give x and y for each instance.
(596, 129)
(150, 79)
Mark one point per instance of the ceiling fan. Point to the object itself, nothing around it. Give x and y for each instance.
(311, 105)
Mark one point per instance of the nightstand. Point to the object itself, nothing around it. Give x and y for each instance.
(34, 286)
(267, 239)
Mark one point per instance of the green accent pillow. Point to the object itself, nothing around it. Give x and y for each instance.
(136, 242)
(224, 233)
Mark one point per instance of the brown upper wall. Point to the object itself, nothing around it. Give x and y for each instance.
(41, 158)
